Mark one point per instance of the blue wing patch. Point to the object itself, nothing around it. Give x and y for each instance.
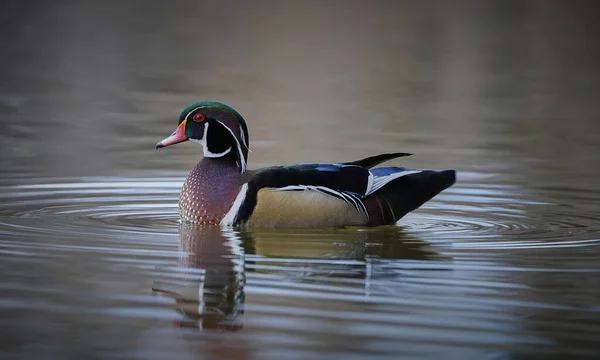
(327, 167)
(385, 171)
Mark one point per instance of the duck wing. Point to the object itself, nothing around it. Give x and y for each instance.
(350, 182)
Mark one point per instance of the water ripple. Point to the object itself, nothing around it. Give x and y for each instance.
(459, 270)
(507, 217)
(469, 215)
(121, 205)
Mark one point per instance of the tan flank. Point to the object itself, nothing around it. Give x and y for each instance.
(307, 208)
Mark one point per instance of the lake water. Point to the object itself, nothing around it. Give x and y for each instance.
(503, 265)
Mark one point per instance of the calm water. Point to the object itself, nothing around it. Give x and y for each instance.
(503, 265)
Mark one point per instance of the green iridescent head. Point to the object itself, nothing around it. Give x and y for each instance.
(220, 129)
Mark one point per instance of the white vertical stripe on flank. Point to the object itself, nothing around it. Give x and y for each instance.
(235, 208)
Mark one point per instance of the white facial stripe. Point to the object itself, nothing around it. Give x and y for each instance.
(211, 154)
(239, 147)
(235, 208)
(244, 137)
(207, 152)
(191, 112)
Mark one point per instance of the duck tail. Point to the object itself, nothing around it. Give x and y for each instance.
(377, 159)
(403, 195)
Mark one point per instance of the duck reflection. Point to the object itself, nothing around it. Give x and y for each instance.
(215, 263)
(345, 252)
(386, 242)
(211, 295)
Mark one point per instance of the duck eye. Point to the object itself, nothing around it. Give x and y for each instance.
(199, 117)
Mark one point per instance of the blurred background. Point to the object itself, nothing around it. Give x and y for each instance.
(505, 92)
(88, 87)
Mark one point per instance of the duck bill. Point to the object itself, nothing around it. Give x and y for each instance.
(175, 138)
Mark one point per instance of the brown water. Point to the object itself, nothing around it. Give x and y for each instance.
(505, 264)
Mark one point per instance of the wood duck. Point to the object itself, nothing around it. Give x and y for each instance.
(221, 190)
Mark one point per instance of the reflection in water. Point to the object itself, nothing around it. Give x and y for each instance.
(359, 244)
(341, 253)
(464, 270)
(211, 291)
(211, 294)
(473, 262)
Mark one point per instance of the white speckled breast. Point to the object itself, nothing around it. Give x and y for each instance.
(209, 191)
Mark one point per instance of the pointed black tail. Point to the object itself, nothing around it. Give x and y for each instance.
(405, 194)
(377, 159)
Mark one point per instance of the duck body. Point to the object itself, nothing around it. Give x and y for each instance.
(220, 190)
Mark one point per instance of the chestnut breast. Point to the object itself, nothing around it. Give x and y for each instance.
(209, 191)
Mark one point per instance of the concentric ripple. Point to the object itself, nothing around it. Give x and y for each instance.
(473, 215)
(457, 272)
(126, 205)
(470, 214)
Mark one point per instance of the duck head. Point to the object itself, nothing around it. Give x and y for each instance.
(220, 130)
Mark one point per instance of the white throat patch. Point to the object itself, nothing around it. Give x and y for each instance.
(207, 152)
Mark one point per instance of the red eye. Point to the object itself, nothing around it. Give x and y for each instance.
(199, 117)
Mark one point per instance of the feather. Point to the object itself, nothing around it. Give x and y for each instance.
(351, 198)
(404, 194)
(354, 183)
(276, 208)
(382, 176)
(376, 160)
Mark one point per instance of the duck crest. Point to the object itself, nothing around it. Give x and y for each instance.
(209, 191)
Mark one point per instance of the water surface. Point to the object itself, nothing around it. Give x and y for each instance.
(505, 264)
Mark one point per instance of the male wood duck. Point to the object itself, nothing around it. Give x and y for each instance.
(221, 190)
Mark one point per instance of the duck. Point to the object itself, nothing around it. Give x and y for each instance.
(221, 190)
